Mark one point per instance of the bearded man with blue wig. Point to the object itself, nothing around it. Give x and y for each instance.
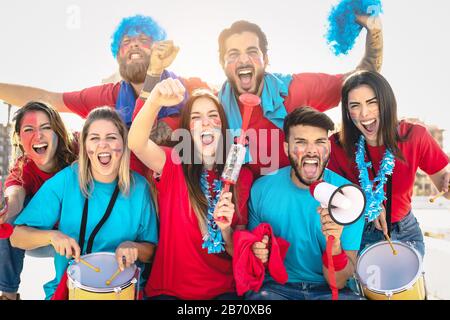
(139, 44)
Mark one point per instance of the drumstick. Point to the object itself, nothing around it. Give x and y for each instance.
(87, 264)
(440, 194)
(108, 282)
(390, 243)
(437, 196)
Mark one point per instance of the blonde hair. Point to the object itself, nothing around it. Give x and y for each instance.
(85, 176)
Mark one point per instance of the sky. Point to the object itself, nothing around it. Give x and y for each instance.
(65, 45)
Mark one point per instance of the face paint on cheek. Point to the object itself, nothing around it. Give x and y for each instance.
(217, 123)
(230, 67)
(90, 150)
(123, 50)
(193, 124)
(257, 60)
(146, 45)
(117, 150)
(26, 139)
(299, 151)
(323, 154)
(353, 117)
(54, 140)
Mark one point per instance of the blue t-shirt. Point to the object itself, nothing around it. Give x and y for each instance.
(133, 217)
(292, 213)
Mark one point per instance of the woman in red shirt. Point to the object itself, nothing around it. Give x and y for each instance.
(371, 133)
(41, 147)
(197, 219)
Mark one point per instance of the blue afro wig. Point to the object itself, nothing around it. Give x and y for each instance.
(343, 29)
(133, 26)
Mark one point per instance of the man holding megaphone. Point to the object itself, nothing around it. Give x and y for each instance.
(284, 201)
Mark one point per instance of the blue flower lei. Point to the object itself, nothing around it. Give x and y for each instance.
(212, 240)
(374, 197)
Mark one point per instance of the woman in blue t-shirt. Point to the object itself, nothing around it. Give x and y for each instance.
(78, 197)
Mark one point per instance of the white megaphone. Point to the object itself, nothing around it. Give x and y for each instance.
(345, 203)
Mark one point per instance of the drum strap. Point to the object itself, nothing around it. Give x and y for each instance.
(97, 228)
(388, 204)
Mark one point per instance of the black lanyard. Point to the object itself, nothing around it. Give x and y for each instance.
(388, 203)
(99, 225)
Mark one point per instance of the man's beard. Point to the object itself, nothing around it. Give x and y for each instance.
(259, 79)
(294, 166)
(134, 72)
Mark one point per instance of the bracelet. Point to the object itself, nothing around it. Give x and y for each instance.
(339, 261)
(144, 95)
(154, 75)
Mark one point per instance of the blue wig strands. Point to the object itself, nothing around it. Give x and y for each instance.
(133, 26)
(343, 28)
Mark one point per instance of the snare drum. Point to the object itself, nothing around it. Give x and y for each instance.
(85, 283)
(385, 276)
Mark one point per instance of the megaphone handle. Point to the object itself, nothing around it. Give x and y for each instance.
(331, 271)
(226, 188)
(248, 110)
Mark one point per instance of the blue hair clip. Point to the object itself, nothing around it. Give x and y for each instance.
(343, 28)
(133, 26)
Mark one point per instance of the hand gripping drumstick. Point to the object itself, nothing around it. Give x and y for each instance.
(236, 155)
(440, 194)
(87, 264)
(108, 282)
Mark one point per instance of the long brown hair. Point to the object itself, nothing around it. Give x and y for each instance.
(388, 127)
(66, 151)
(192, 168)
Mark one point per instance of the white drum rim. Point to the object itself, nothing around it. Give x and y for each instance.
(407, 286)
(77, 284)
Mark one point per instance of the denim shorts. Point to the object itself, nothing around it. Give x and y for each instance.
(272, 290)
(406, 230)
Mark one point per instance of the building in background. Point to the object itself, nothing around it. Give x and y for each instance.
(5, 149)
(5, 142)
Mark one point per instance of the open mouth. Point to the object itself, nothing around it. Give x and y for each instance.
(310, 167)
(40, 148)
(134, 56)
(370, 125)
(207, 137)
(245, 76)
(104, 158)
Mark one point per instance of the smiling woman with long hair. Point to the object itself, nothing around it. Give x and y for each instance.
(197, 219)
(396, 149)
(99, 187)
(41, 147)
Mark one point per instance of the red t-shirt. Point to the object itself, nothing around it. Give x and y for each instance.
(316, 90)
(31, 178)
(84, 101)
(181, 267)
(420, 151)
